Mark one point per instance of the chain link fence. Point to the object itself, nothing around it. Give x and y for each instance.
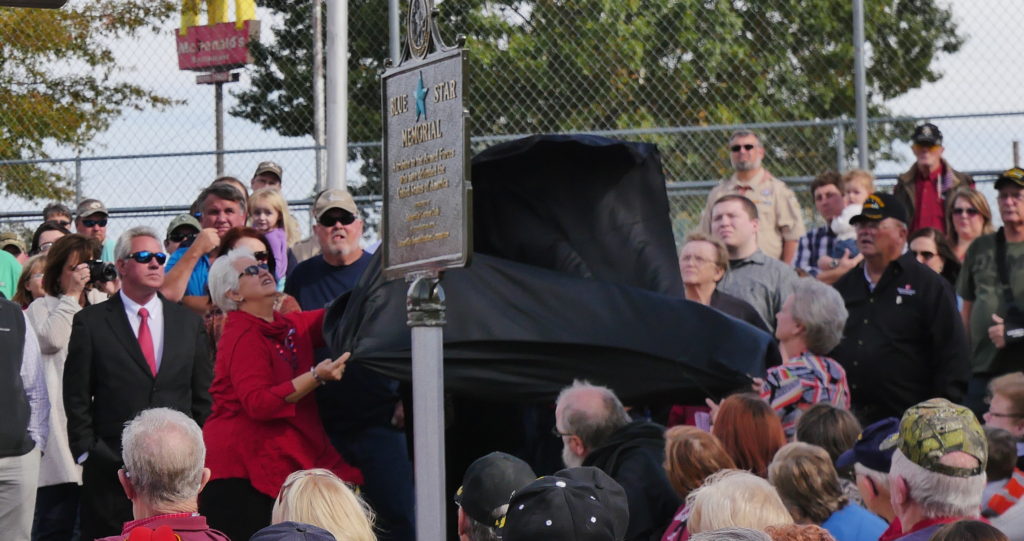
(92, 103)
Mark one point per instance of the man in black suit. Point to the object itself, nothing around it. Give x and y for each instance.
(133, 352)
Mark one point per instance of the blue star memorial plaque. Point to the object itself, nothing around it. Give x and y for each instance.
(426, 224)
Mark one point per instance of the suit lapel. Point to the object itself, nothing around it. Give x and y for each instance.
(122, 330)
(175, 339)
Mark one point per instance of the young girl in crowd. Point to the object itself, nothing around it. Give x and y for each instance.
(858, 184)
(268, 214)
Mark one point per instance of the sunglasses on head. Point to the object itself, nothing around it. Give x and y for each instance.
(62, 223)
(181, 237)
(925, 255)
(145, 256)
(254, 270)
(968, 211)
(102, 222)
(736, 148)
(328, 220)
(262, 256)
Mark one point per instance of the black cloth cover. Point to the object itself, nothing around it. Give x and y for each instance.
(594, 291)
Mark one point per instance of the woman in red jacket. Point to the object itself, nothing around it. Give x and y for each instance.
(263, 426)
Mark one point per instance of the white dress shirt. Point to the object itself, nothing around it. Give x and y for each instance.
(156, 321)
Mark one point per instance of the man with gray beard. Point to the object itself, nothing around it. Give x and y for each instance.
(596, 431)
(782, 224)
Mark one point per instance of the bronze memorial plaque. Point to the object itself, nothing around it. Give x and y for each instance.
(426, 176)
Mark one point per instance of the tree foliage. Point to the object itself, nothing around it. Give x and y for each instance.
(585, 65)
(59, 84)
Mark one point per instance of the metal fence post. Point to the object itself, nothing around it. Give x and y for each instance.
(859, 82)
(840, 144)
(337, 93)
(78, 178)
(318, 94)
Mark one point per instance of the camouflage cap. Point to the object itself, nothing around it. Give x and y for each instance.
(937, 427)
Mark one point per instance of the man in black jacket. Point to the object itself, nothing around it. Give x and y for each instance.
(132, 352)
(904, 341)
(596, 431)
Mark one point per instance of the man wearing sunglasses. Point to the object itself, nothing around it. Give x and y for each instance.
(923, 188)
(992, 313)
(362, 413)
(182, 230)
(782, 224)
(129, 353)
(91, 220)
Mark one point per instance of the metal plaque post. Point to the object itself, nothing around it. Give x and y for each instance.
(426, 225)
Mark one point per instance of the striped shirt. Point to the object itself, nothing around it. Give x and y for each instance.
(804, 381)
(816, 243)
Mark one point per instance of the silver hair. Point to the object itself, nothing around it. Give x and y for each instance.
(821, 310)
(731, 534)
(478, 531)
(223, 278)
(593, 427)
(164, 455)
(939, 495)
(124, 242)
(745, 133)
(880, 478)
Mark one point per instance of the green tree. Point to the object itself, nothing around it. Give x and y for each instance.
(59, 84)
(586, 65)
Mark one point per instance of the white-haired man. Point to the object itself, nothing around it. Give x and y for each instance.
(938, 469)
(131, 352)
(596, 431)
(163, 473)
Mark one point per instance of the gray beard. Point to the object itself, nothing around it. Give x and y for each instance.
(570, 459)
(746, 166)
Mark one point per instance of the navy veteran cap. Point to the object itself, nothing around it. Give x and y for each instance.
(1011, 177)
(867, 450)
(880, 206)
(488, 484)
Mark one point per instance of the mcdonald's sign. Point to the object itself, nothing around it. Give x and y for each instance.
(219, 44)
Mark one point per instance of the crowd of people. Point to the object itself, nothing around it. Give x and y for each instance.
(179, 382)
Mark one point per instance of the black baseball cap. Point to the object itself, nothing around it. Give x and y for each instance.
(867, 449)
(880, 206)
(559, 508)
(927, 134)
(609, 492)
(1014, 177)
(489, 483)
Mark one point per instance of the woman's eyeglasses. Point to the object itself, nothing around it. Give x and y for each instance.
(145, 256)
(262, 256)
(970, 211)
(254, 270)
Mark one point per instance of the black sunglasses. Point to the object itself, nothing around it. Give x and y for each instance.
(924, 255)
(102, 222)
(145, 256)
(262, 256)
(736, 148)
(254, 270)
(968, 211)
(328, 220)
(61, 223)
(181, 237)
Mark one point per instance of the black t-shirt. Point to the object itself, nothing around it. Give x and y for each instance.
(363, 397)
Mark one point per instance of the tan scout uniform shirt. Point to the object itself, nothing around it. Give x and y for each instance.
(777, 208)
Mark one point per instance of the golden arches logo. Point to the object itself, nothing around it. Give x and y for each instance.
(217, 12)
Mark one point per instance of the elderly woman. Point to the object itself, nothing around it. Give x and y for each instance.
(968, 217)
(809, 325)
(691, 455)
(809, 486)
(703, 261)
(264, 426)
(735, 499)
(68, 290)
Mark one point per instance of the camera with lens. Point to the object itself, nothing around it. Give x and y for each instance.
(100, 271)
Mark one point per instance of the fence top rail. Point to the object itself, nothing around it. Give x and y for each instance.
(830, 122)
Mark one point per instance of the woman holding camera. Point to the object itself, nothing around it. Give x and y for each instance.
(68, 284)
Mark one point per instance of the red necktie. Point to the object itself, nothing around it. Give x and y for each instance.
(146, 341)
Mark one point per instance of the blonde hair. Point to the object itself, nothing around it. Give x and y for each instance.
(734, 498)
(859, 175)
(276, 201)
(320, 498)
(1011, 387)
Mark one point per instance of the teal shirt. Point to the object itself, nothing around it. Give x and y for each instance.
(10, 271)
(979, 285)
(108, 250)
